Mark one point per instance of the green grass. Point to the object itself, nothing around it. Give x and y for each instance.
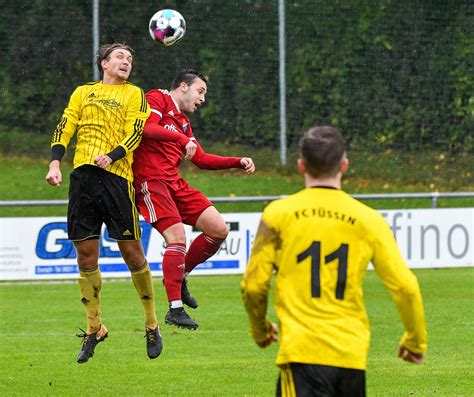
(38, 347)
(23, 179)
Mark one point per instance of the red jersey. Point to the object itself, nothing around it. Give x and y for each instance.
(160, 158)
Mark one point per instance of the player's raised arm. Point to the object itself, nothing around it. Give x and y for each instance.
(210, 161)
(156, 132)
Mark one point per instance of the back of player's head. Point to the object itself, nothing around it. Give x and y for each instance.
(322, 149)
(187, 76)
(105, 51)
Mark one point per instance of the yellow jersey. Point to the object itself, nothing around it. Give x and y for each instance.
(105, 117)
(320, 242)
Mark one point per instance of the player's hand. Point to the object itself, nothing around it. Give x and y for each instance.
(102, 161)
(190, 150)
(247, 163)
(409, 356)
(54, 176)
(273, 337)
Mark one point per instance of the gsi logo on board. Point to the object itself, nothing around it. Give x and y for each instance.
(53, 246)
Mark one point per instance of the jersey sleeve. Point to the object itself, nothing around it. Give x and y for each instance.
(67, 125)
(137, 113)
(208, 161)
(155, 99)
(402, 285)
(153, 130)
(255, 284)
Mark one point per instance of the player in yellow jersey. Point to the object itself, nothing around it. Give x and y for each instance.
(108, 117)
(319, 242)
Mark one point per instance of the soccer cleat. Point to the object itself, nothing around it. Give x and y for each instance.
(186, 296)
(180, 318)
(154, 343)
(89, 343)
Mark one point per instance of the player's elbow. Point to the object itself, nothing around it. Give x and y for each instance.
(407, 295)
(410, 286)
(252, 290)
(406, 291)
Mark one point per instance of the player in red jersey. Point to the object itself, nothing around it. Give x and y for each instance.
(165, 199)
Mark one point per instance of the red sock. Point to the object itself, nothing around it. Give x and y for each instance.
(201, 249)
(173, 270)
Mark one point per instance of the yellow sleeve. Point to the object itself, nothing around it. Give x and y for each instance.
(138, 112)
(255, 284)
(403, 287)
(67, 125)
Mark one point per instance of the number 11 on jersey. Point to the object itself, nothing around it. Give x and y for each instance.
(341, 254)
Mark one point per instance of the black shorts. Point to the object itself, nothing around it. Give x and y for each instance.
(305, 380)
(96, 197)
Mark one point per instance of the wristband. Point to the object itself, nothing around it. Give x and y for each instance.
(57, 152)
(117, 153)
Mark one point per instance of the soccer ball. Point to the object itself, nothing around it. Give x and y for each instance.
(167, 27)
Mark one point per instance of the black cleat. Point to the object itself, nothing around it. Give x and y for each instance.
(154, 343)
(89, 343)
(180, 318)
(186, 296)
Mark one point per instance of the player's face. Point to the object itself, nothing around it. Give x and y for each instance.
(194, 95)
(118, 66)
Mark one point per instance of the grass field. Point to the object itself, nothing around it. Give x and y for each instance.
(38, 345)
(23, 179)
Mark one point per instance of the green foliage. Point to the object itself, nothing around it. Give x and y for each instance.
(382, 73)
(389, 74)
(38, 345)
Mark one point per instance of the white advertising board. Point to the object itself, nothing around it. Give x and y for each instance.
(38, 248)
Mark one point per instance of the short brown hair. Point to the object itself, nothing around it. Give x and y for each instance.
(105, 51)
(188, 76)
(322, 149)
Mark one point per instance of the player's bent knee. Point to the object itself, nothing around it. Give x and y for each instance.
(175, 234)
(221, 232)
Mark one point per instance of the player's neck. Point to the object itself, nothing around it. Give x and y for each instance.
(334, 182)
(175, 98)
(112, 80)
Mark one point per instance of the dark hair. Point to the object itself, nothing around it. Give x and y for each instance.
(187, 76)
(105, 51)
(322, 150)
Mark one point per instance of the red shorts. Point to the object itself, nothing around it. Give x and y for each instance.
(165, 203)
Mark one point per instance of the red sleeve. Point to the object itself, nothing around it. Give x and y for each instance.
(152, 129)
(156, 132)
(209, 161)
(156, 101)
